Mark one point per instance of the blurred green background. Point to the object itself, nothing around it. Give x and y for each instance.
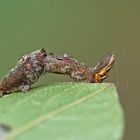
(86, 30)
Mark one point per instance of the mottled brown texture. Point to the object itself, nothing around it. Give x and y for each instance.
(25, 73)
(30, 67)
(68, 66)
(79, 71)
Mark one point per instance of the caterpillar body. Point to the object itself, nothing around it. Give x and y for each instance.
(30, 67)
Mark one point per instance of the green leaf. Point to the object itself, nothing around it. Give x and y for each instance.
(63, 111)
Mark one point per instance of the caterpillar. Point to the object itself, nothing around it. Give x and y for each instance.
(30, 67)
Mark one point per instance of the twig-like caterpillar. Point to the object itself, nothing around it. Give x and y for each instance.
(30, 67)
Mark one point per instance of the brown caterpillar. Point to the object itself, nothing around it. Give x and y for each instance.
(30, 67)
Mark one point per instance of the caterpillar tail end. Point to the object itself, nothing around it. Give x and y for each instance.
(1, 93)
(103, 67)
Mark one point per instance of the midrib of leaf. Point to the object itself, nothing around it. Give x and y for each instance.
(51, 114)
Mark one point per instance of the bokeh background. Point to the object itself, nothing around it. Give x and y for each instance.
(86, 30)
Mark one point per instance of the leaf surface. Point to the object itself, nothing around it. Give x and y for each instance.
(63, 111)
